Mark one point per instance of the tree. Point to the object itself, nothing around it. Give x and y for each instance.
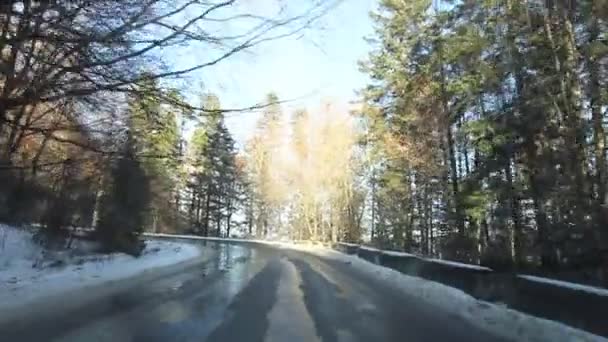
(54, 51)
(153, 128)
(125, 205)
(478, 115)
(267, 167)
(77, 76)
(307, 188)
(214, 176)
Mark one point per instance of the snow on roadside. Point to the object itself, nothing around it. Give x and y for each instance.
(20, 283)
(460, 264)
(17, 245)
(399, 254)
(573, 286)
(348, 244)
(21, 256)
(510, 324)
(370, 249)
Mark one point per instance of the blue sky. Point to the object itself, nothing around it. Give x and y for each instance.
(322, 64)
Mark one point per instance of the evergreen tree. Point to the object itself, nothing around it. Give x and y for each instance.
(155, 132)
(499, 157)
(213, 180)
(125, 204)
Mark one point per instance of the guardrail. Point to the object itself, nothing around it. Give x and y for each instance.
(580, 306)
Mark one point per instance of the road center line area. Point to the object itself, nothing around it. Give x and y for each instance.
(249, 293)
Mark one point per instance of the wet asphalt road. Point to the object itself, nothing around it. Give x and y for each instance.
(243, 293)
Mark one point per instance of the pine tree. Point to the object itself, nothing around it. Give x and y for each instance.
(154, 128)
(213, 180)
(479, 113)
(125, 204)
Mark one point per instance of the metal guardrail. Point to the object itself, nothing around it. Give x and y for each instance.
(573, 305)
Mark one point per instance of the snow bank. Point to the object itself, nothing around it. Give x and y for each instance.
(573, 286)
(497, 319)
(460, 265)
(399, 254)
(21, 283)
(348, 244)
(21, 255)
(370, 249)
(17, 248)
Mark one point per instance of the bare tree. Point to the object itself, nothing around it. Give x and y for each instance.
(90, 53)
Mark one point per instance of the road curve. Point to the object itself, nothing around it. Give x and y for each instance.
(245, 293)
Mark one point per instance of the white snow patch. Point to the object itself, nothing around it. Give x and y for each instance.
(510, 324)
(348, 244)
(17, 246)
(573, 286)
(459, 264)
(21, 283)
(399, 254)
(370, 249)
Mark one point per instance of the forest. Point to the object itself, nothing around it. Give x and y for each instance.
(486, 119)
(97, 128)
(480, 136)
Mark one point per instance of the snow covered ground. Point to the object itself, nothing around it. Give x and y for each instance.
(459, 264)
(578, 287)
(498, 319)
(29, 272)
(399, 254)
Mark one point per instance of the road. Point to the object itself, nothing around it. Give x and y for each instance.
(247, 293)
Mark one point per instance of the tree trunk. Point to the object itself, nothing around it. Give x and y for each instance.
(15, 130)
(597, 117)
(250, 218)
(191, 210)
(547, 255)
(38, 154)
(154, 220)
(207, 206)
(218, 226)
(10, 63)
(570, 104)
(98, 196)
(517, 236)
(373, 223)
(431, 234)
(450, 148)
(529, 144)
(197, 212)
(575, 106)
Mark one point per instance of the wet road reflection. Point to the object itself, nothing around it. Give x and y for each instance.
(186, 307)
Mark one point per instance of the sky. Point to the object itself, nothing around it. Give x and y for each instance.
(320, 64)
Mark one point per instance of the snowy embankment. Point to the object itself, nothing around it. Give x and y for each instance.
(29, 272)
(577, 287)
(498, 319)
